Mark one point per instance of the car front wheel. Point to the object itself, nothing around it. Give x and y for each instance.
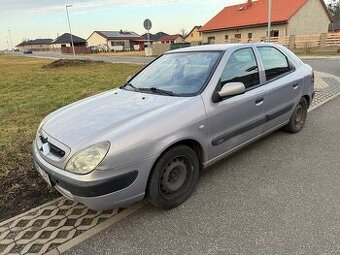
(173, 177)
(298, 118)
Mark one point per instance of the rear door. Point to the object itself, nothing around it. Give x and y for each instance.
(238, 119)
(283, 83)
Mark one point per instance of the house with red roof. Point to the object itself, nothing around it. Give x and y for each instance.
(249, 20)
(170, 39)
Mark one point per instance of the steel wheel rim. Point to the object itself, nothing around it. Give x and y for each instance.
(174, 176)
(299, 116)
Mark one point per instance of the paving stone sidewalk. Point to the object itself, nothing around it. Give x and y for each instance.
(326, 87)
(45, 228)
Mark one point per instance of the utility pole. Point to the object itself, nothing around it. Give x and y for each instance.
(69, 25)
(10, 38)
(269, 19)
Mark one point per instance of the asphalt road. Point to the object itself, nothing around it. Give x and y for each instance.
(118, 59)
(325, 65)
(281, 195)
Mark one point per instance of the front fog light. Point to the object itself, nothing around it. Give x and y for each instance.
(88, 159)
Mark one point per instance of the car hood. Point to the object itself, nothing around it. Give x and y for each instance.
(95, 116)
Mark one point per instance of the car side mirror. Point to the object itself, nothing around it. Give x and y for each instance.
(232, 89)
(128, 78)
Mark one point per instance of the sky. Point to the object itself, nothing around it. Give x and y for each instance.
(32, 19)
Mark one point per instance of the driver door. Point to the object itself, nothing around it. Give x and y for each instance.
(236, 120)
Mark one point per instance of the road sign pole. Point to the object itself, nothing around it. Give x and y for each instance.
(148, 44)
(148, 26)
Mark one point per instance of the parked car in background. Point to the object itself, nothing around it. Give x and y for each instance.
(28, 51)
(183, 112)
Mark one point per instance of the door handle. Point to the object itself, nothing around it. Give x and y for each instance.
(259, 101)
(296, 86)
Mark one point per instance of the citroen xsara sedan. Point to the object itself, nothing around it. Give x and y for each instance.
(183, 112)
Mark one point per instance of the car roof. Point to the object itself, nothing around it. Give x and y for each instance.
(219, 47)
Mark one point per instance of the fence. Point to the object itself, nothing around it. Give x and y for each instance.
(301, 42)
(333, 39)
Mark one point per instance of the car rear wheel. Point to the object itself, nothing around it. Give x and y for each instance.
(298, 119)
(173, 177)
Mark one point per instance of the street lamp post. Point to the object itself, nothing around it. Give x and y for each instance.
(10, 38)
(269, 19)
(69, 25)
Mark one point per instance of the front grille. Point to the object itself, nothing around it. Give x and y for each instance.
(54, 150)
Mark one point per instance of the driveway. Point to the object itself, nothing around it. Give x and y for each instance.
(325, 65)
(281, 195)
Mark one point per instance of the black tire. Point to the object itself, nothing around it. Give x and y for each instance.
(173, 178)
(298, 119)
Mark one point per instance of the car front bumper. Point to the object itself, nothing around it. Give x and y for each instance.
(99, 190)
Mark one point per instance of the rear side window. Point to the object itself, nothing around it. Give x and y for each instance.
(274, 61)
(242, 67)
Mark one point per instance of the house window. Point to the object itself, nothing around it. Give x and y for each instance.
(117, 43)
(250, 35)
(238, 36)
(211, 40)
(274, 33)
(192, 34)
(226, 38)
(200, 33)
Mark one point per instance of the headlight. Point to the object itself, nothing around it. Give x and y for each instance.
(88, 159)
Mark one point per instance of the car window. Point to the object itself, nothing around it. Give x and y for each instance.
(180, 73)
(274, 61)
(242, 67)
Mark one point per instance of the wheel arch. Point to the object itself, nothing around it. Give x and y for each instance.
(308, 99)
(191, 143)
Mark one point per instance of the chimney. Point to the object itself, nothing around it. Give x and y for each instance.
(249, 3)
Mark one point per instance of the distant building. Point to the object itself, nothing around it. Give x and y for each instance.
(334, 28)
(194, 36)
(170, 39)
(35, 45)
(115, 41)
(249, 20)
(154, 37)
(63, 43)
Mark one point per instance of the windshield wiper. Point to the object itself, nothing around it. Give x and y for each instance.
(158, 91)
(130, 85)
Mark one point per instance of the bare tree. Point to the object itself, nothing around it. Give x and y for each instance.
(183, 32)
(334, 8)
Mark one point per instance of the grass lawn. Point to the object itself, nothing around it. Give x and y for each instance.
(28, 93)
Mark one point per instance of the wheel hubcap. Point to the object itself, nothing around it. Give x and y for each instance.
(174, 176)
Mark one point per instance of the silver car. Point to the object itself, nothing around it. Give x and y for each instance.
(182, 113)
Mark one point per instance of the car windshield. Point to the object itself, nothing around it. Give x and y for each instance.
(175, 74)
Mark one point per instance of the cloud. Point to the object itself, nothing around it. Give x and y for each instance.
(38, 7)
